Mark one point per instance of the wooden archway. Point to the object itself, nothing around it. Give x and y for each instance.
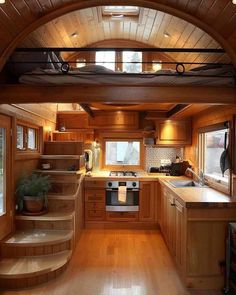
(153, 4)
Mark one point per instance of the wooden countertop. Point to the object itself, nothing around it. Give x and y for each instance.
(190, 197)
(141, 176)
(200, 197)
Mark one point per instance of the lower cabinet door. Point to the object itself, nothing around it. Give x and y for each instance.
(180, 236)
(147, 201)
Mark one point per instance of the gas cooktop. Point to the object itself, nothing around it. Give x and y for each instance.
(123, 173)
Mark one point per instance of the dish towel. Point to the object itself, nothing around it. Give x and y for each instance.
(122, 194)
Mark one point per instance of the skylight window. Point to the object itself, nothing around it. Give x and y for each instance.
(121, 10)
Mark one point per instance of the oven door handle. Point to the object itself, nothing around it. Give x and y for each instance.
(110, 190)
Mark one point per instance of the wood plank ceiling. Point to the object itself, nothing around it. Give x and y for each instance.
(18, 18)
(84, 27)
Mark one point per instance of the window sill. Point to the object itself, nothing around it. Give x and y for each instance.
(223, 187)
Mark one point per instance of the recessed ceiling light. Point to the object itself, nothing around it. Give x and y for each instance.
(234, 1)
(74, 35)
(166, 35)
(2, 1)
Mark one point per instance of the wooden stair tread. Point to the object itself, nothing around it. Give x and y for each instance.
(50, 216)
(60, 157)
(58, 172)
(37, 237)
(62, 197)
(25, 267)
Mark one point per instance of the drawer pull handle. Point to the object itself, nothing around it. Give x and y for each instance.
(172, 204)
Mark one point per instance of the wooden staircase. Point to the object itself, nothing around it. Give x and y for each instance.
(42, 246)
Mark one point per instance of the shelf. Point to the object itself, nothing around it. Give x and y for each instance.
(60, 157)
(32, 266)
(50, 216)
(59, 172)
(37, 237)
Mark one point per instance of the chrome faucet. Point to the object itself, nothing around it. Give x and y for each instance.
(200, 177)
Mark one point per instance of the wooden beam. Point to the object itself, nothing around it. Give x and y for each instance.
(19, 93)
(120, 49)
(87, 109)
(176, 109)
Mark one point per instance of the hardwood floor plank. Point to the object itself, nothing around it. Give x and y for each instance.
(117, 262)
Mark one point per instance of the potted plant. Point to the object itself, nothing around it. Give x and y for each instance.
(32, 193)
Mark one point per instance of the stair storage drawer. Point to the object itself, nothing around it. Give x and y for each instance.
(122, 216)
(94, 214)
(95, 195)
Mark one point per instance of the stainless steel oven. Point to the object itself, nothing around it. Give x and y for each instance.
(131, 199)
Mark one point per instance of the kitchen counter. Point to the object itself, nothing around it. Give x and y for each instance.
(190, 197)
(141, 176)
(199, 197)
(104, 175)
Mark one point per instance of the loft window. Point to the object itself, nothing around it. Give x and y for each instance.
(26, 138)
(121, 10)
(212, 143)
(120, 153)
(20, 137)
(132, 61)
(106, 59)
(32, 139)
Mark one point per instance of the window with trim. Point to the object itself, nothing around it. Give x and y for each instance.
(122, 153)
(132, 61)
(106, 59)
(26, 138)
(126, 61)
(214, 154)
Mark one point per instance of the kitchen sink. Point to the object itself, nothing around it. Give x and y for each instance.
(184, 183)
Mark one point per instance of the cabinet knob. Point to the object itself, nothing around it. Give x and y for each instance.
(172, 204)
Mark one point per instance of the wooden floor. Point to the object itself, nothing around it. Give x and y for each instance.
(117, 262)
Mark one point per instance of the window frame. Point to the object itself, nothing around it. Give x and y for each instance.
(122, 167)
(119, 60)
(26, 126)
(211, 181)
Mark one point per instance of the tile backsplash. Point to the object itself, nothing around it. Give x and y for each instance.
(154, 155)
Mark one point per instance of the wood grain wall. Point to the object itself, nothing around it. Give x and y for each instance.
(42, 115)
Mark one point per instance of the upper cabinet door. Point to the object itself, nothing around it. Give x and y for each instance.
(114, 120)
(173, 132)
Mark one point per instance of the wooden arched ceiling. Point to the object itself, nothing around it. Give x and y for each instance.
(19, 18)
(84, 27)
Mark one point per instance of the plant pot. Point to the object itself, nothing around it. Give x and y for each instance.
(34, 204)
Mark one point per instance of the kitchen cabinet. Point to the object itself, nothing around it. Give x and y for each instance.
(147, 201)
(94, 195)
(180, 235)
(195, 237)
(173, 132)
(170, 223)
(85, 135)
(114, 120)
